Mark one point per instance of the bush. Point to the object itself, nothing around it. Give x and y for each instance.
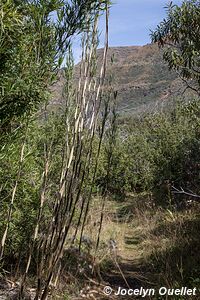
(155, 152)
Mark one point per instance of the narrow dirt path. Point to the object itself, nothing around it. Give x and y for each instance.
(128, 272)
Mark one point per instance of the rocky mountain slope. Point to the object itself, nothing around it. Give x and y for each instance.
(140, 76)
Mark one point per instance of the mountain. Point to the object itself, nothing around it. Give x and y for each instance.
(140, 76)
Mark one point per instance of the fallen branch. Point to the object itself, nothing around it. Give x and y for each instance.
(183, 192)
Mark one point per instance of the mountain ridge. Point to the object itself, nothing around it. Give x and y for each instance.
(140, 76)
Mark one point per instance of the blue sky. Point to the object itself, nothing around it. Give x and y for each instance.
(130, 22)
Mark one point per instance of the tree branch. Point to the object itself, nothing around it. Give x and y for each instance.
(183, 192)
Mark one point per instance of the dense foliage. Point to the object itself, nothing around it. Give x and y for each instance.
(179, 33)
(156, 150)
(34, 39)
(44, 158)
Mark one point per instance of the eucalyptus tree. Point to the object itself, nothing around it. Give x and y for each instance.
(34, 38)
(179, 34)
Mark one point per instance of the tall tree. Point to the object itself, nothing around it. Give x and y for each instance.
(34, 38)
(179, 34)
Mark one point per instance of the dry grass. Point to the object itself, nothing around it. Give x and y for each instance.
(168, 244)
(154, 245)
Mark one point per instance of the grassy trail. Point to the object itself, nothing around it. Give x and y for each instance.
(155, 247)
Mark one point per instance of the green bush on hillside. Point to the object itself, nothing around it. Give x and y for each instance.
(158, 149)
